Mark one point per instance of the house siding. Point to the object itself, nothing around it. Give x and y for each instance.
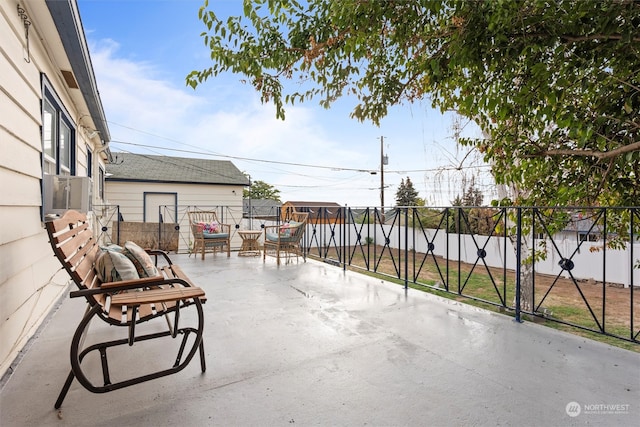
(129, 196)
(30, 277)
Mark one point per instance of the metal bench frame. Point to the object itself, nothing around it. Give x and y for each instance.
(76, 248)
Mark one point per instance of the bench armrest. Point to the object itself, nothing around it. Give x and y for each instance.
(127, 285)
(157, 296)
(156, 253)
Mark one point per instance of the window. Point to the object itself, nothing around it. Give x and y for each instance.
(89, 162)
(101, 183)
(587, 237)
(48, 137)
(58, 134)
(65, 148)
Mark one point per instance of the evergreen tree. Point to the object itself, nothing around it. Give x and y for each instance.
(472, 195)
(475, 220)
(406, 194)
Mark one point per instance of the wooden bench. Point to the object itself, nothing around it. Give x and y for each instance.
(125, 303)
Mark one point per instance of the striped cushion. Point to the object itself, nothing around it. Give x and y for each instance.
(114, 266)
(141, 259)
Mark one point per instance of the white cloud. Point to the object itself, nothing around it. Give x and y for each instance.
(225, 118)
(143, 108)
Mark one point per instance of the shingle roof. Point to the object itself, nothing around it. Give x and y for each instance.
(264, 204)
(148, 168)
(313, 204)
(261, 207)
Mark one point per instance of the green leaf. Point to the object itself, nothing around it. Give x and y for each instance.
(540, 78)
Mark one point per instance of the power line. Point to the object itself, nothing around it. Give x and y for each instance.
(333, 168)
(244, 158)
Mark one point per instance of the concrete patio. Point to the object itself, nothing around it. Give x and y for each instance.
(309, 344)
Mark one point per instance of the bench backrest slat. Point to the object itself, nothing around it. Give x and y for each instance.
(72, 240)
(70, 232)
(85, 268)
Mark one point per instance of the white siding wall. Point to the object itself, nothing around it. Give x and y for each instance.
(30, 277)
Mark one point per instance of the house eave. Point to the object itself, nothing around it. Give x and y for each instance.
(66, 18)
(154, 181)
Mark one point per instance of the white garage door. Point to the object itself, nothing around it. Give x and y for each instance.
(160, 204)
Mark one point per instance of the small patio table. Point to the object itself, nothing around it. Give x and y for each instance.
(250, 245)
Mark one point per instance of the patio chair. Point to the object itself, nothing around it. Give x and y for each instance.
(125, 287)
(209, 234)
(284, 239)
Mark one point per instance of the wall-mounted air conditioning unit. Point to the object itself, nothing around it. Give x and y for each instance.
(62, 192)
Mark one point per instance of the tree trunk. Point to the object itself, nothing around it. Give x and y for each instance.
(526, 257)
(526, 273)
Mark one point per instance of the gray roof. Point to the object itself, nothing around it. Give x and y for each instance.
(261, 207)
(262, 203)
(149, 168)
(313, 204)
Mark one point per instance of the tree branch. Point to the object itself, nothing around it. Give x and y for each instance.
(591, 153)
(603, 180)
(592, 37)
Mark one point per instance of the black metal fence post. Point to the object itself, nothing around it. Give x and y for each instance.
(518, 261)
(604, 270)
(458, 228)
(120, 219)
(632, 241)
(346, 234)
(160, 222)
(446, 212)
(406, 248)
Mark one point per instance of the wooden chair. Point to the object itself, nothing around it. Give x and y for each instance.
(284, 239)
(209, 234)
(166, 295)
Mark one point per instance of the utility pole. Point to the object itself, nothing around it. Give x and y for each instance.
(250, 207)
(384, 160)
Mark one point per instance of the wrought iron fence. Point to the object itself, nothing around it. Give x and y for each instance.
(576, 266)
(172, 232)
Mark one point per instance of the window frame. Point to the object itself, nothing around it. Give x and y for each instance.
(55, 161)
(101, 178)
(583, 236)
(89, 162)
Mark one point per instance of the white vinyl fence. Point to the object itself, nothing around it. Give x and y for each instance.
(591, 260)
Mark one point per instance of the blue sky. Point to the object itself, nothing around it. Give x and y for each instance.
(142, 51)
